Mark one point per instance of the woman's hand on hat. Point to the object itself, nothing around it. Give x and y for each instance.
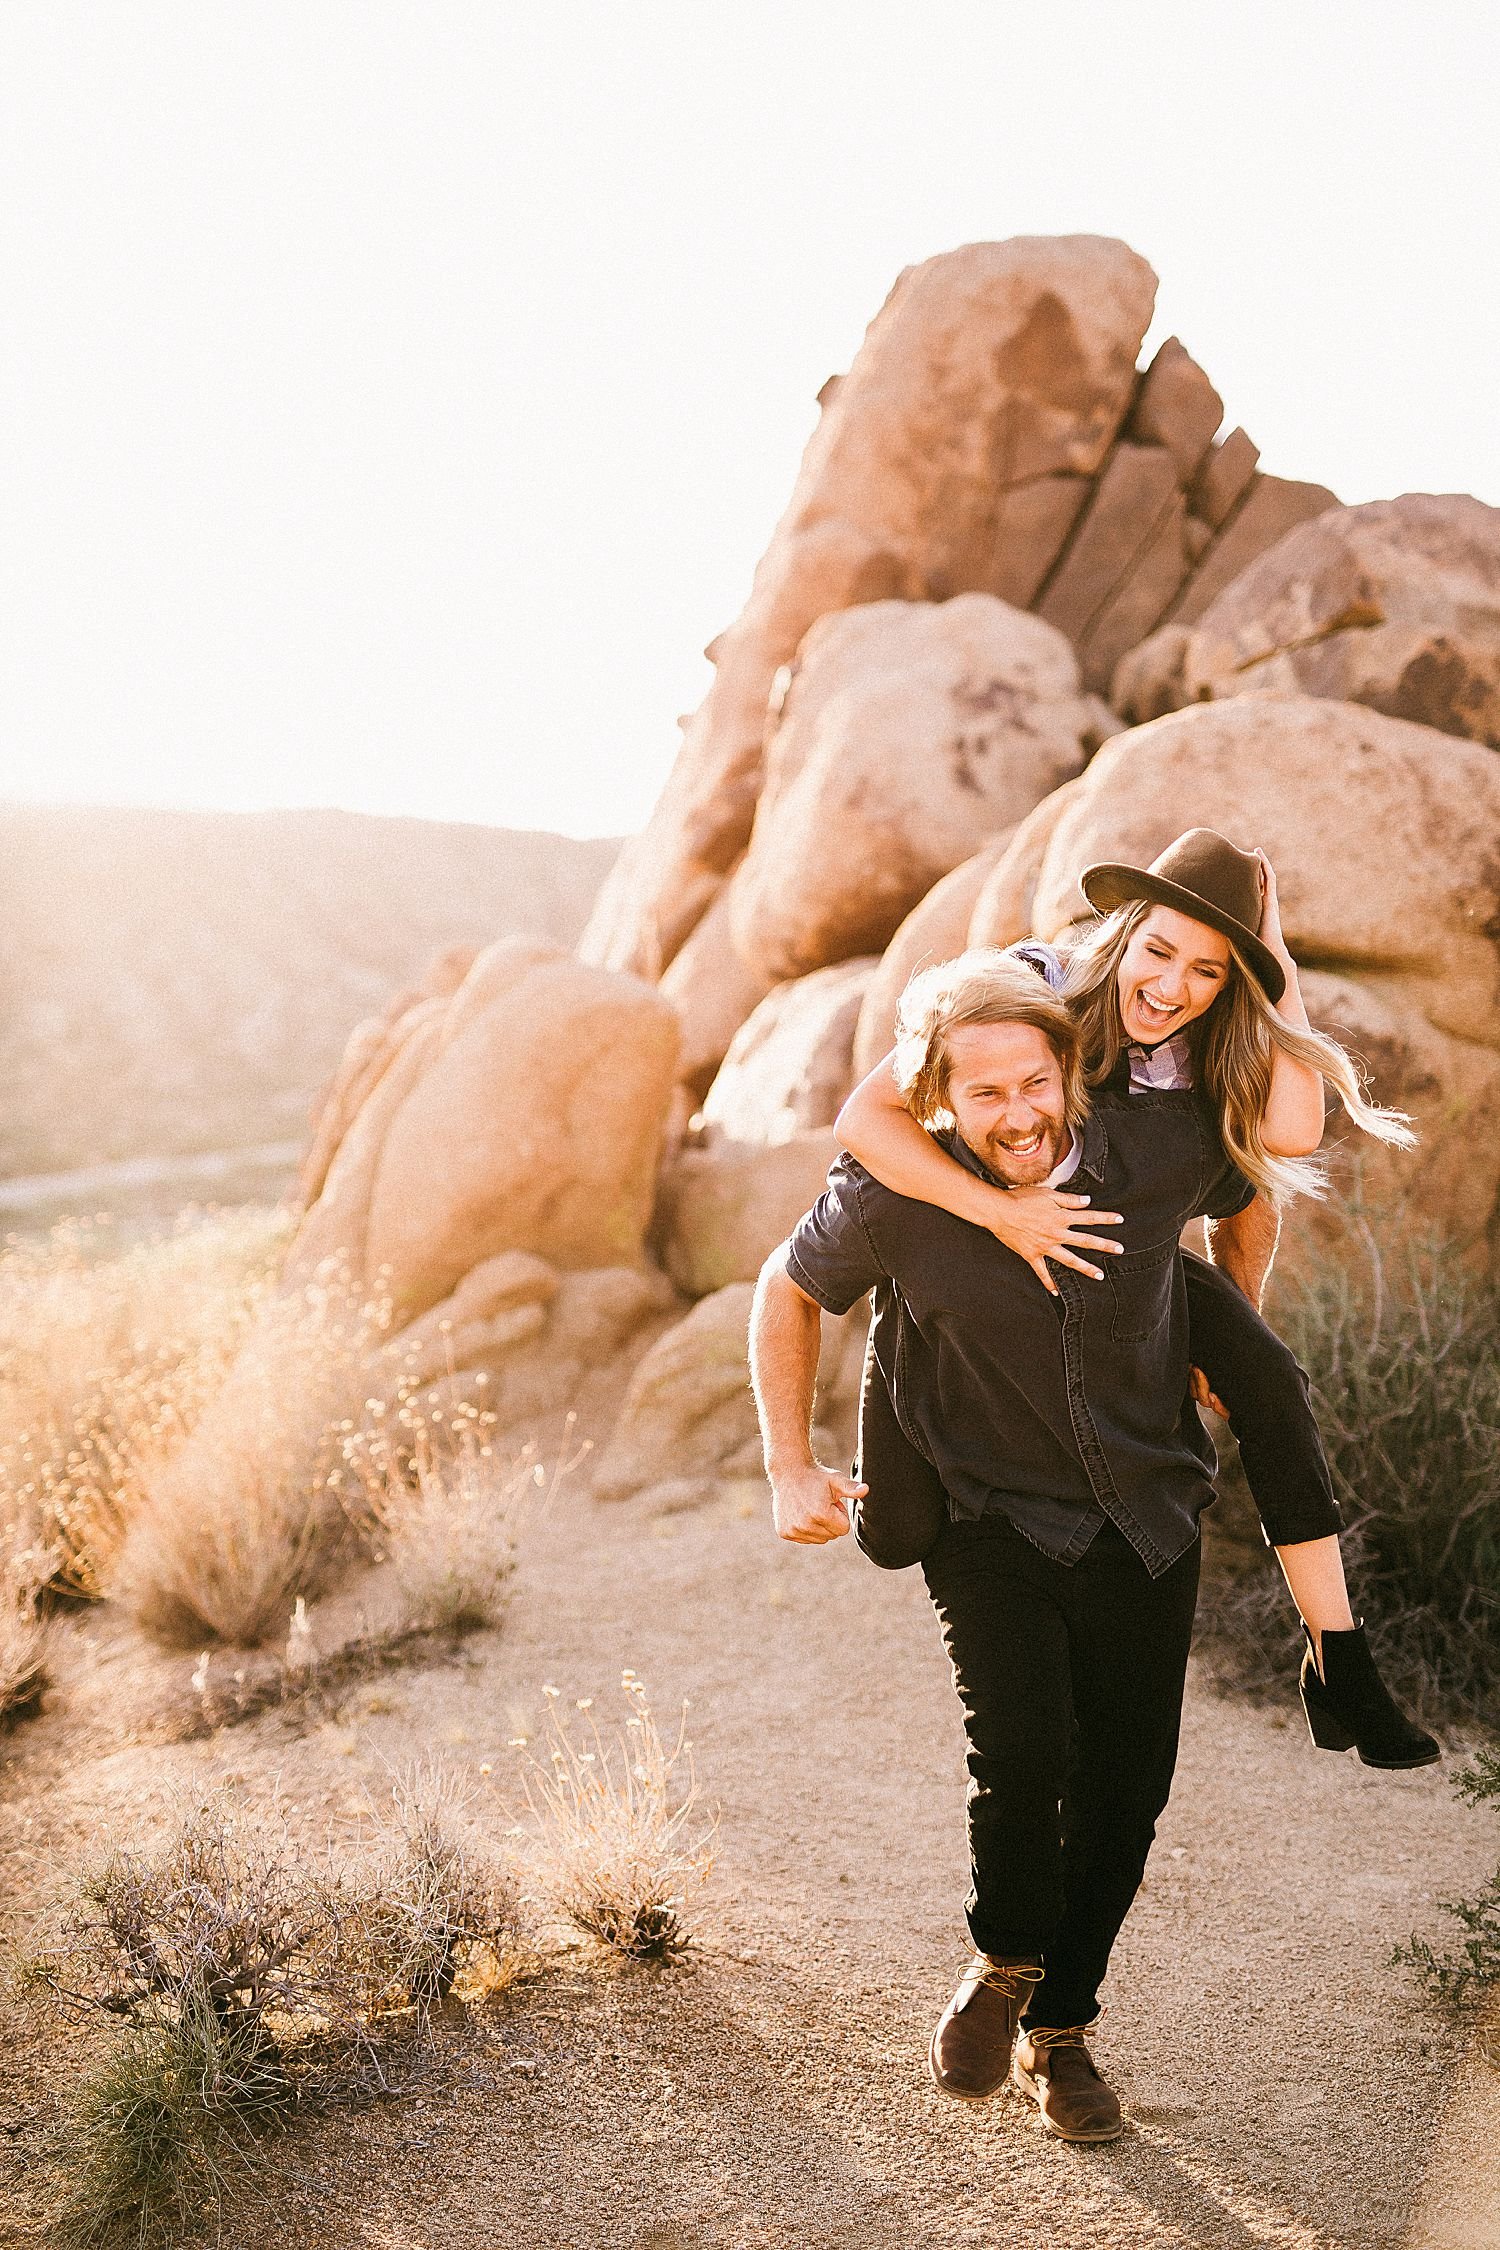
(1270, 932)
(1039, 1223)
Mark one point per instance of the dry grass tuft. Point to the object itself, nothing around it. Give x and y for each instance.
(244, 1984)
(23, 1633)
(442, 1509)
(625, 1841)
(107, 1359)
(230, 1529)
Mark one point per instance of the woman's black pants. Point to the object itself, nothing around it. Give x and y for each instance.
(1248, 1367)
(1071, 1680)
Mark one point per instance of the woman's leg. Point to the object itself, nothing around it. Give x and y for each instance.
(1314, 1572)
(1258, 1378)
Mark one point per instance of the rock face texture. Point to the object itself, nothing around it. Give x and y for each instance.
(525, 1112)
(911, 733)
(953, 457)
(935, 930)
(714, 989)
(723, 1208)
(688, 1416)
(791, 1065)
(1395, 604)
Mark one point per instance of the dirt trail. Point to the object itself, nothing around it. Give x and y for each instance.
(1285, 2087)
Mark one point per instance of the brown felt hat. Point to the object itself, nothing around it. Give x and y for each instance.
(1203, 875)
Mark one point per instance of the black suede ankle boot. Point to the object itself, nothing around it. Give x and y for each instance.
(1351, 1708)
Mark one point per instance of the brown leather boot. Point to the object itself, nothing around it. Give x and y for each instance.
(1055, 2069)
(970, 2052)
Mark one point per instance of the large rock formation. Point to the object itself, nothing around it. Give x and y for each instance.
(688, 1418)
(791, 1064)
(952, 457)
(910, 734)
(1395, 604)
(526, 1112)
(723, 1207)
(896, 759)
(935, 930)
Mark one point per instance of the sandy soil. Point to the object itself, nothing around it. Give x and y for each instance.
(1285, 2087)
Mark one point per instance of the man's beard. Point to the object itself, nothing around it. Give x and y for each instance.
(1026, 1167)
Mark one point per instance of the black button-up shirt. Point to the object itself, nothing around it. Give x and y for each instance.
(1063, 1410)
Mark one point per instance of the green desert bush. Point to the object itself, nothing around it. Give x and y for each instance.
(1466, 1972)
(1405, 1369)
(625, 1841)
(242, 1984)
(108, 1355)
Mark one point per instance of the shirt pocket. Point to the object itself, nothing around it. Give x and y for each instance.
(1140, 1284)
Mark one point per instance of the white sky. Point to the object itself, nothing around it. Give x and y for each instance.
(395, 398)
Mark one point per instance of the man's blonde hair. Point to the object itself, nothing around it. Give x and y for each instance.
(983, 985)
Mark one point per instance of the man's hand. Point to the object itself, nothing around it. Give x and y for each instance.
(810, 1505)
(1198, 1385)
(1039, 1223)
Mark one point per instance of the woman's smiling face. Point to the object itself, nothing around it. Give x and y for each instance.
(1171, 971)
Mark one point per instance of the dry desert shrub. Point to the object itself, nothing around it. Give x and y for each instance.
(244, 1984)
(442, 1508)
(228, 1531)
(107, 1359)
(24, 1571)
(1404, 1358)
(625, 1841)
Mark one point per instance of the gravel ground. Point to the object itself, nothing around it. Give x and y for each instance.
(1284, 2087)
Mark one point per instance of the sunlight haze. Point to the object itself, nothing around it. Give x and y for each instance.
(396, 399)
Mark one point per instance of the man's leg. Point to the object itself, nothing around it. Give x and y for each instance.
(1129, 1637)
(1007, 1636)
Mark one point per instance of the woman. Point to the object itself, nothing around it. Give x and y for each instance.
(1185, 988)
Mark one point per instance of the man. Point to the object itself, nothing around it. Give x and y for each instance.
(1066, 1574)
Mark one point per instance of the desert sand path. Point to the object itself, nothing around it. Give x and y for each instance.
(1285, 2087)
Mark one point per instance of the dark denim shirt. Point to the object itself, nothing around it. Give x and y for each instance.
(1063, 1410)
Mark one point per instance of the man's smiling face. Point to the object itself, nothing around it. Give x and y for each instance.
(1005, 1089)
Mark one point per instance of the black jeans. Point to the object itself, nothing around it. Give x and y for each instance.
(1071, 1680)
(1248, 1367)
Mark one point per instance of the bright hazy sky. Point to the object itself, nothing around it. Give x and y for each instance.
(395, 398)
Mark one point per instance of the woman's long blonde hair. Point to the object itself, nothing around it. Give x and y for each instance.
(1234, 1043)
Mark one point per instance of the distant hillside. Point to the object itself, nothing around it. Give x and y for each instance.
(174, 983)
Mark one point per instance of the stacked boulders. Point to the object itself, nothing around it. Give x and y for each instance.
(955, 456)
(1395, 604)
(998, 522)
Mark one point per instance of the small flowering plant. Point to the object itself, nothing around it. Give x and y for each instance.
(626, 1841)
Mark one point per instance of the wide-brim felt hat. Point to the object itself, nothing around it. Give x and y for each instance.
(1202, 875)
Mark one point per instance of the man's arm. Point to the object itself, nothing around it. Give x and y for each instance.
(1243, 1246)
(809, 1502)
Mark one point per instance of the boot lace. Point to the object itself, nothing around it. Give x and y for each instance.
(1005, 1977)
(1044, 2037)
